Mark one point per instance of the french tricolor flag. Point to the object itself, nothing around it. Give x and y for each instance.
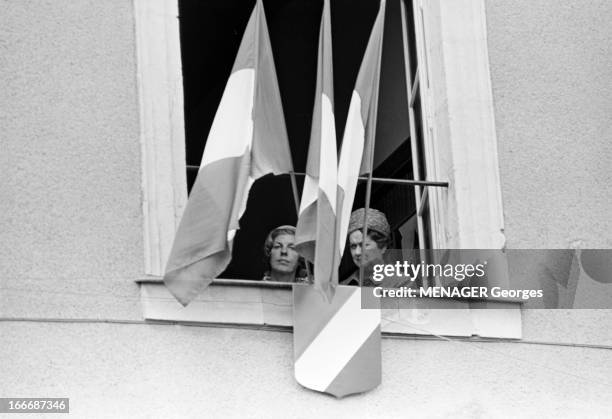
(247, 140)
(356, 154)
(316, 228)
(329, 188)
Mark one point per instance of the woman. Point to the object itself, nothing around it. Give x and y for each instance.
(284, 264)
(371, 251)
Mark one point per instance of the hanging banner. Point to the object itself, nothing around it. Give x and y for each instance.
(336, 345)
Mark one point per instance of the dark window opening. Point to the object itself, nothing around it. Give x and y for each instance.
(210, 36)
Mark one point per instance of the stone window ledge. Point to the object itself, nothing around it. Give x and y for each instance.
(261, 304)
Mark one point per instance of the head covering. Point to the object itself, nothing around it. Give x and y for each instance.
(376, 221)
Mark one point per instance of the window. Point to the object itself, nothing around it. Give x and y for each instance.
(210, 35)
(467, 214)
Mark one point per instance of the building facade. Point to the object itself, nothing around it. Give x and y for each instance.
(517, 111)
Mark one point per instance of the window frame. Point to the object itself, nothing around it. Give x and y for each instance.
(162, 131)
(459, 124)
(165, 187)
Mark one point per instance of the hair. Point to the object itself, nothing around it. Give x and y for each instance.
(380, 239)
(301, 270)
(272, 235)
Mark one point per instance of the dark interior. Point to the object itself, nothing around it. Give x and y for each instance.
(210, 36)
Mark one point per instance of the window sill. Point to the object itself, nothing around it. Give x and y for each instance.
(255, 304)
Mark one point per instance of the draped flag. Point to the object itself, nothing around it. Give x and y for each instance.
(247, 140)
(360, 130)
(336, 346)
(316, 228)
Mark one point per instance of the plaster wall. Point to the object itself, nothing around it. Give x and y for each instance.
(71, 246)
(550, 68)
(70, 206)
(111, 370)
(551, 74)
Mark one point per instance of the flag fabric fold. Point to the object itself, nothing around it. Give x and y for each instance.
(316, 228)
(247, 139)
(360, 129)
(324, 362)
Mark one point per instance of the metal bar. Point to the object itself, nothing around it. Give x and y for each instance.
(415, 86)
(408, 182)
(423, 202)
(416, 173)
(381, 180)
(365, 228)
(412, 91)
(296, 198)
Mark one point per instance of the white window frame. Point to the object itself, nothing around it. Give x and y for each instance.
(459, 124)
(162, 131)
(253, 304)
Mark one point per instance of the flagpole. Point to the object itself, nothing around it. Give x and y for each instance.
(371, 156)
(296, 199)
(389, 181)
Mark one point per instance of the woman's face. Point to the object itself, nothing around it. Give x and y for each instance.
(365, 253)
(283, 256)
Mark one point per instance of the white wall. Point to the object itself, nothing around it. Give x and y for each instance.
(71, 243)
(552, 87)
(180, 371)
(70, 211)
(551, 73)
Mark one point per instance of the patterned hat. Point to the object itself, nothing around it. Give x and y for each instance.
(376, 221)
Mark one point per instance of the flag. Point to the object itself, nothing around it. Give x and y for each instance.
(247, 139)
(316, 228)
(336, 342)
(336, 346)
(360, 130)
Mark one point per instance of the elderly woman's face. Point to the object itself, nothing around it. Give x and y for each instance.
(365, 253)
(283, 256)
